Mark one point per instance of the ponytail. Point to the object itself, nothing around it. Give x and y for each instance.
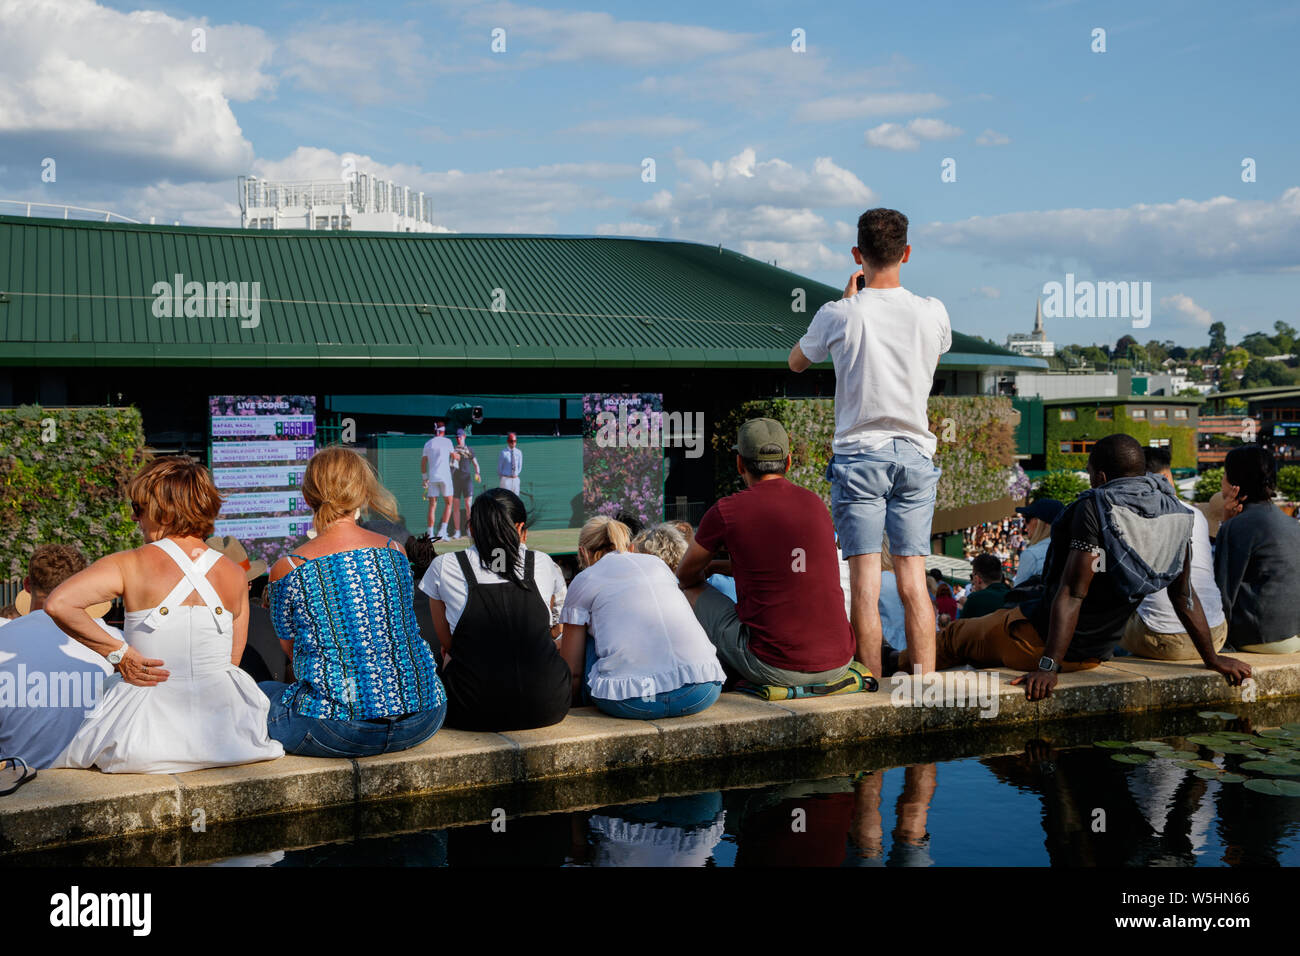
(492, 523)
(603, 534)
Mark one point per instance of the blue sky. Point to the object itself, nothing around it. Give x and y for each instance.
(1122, 165)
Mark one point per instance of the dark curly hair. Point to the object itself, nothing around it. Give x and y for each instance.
(882, 237)
(1252, 469)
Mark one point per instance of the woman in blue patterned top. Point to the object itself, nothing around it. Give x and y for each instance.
(342, 607)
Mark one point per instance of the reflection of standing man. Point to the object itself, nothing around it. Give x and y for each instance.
(510, 464)
(435, 467)
(463, 477)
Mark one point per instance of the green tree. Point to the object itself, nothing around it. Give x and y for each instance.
(1208, 484)
(1257, 343)
(1095, 356)
(1218, 338)
(1285, 338)
(1288, 482)
(1234, 361)
(1064, 486)
(1190, 392)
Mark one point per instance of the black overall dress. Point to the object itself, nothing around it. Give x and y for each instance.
(505, 672)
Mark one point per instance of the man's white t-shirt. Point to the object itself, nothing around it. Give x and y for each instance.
(62, 679)
(445, 582)
(438, 450)
(885, 344)
(1157, 611)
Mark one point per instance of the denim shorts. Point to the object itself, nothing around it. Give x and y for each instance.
(889, 489)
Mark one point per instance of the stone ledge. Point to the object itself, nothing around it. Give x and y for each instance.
(64, 807)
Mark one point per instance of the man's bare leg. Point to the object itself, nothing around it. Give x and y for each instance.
(864, 609)
(918, 612)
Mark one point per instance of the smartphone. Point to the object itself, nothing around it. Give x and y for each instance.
(862, 283)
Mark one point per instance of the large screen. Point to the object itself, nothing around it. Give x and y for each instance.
(622, 455)
(260, 448)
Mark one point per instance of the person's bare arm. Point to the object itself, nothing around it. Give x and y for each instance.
(694, 565)
(1192, 616)
(573, 648)
(438, 611)
(1063, 619)
(240, 639)
(102, 581)
(798, 361)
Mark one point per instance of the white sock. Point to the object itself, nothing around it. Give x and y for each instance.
(443, 530)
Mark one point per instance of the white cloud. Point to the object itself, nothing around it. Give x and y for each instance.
(1188, 307)
(537, 35)
(988, 292)
(626, 229)
(122, 96)
(991, 137)
(1178, 239)
(764, 208)
(871, 104)
(342, 58)
(897, 137)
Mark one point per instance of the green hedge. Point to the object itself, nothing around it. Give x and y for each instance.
(975, 452)
(63, 476)
(1182, 438)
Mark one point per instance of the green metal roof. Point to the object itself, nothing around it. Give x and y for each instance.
(1126, 400)
(79, 293)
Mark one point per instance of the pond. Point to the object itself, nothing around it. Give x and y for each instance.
(1173, 788)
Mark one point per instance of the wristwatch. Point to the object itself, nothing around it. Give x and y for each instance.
(115, 657)
(1045, 663)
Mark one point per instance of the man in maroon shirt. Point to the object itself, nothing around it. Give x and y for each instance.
(789, 627)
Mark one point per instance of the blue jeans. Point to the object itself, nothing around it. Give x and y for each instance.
(323, 737)
(682, 702)
(888, 489)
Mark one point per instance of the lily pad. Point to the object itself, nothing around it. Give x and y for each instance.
(1289, 788)
(1205, 740)
(1274, 732)
(1188, 764)
(1151, 745)
(1141, 758)
(1231, 778)
(1206, 764)
(1209, 774)
(1239, 749)
(1217, 715)
(1294, 727)
(1280, 767)
(1111, 744)
(1275, 788)
(1232, 735)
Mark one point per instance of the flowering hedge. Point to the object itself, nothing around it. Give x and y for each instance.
(63, 476)
(976, 449)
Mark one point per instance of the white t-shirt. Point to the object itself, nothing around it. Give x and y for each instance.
(885, 344)
(1157, 611)
(438, 450)
(445, 582)
(48, 684)
(648, 639)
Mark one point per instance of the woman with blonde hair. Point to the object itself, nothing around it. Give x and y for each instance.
(630, 631)
(366, 680)
(1039, 518)
(178, 701)
(664, 541)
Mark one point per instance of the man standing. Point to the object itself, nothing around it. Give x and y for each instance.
(435, 468)
(789, 627)
(463, 477)
(885, 343)
(509, 464)
(72, 675)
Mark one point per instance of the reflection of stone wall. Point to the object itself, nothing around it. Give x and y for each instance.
(976, 448)
(63, 476)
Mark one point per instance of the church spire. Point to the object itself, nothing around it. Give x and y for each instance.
(1038, 321)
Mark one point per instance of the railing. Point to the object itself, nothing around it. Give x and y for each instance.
(108, 216)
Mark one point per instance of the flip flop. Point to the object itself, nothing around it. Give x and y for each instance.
(9, 774)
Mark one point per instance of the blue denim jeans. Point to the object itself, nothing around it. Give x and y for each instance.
(322, 737)
(888, 489)
(682, 702)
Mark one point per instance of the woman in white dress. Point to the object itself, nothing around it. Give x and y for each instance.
(178, 701)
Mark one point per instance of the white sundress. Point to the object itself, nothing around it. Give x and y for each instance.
(208, 713)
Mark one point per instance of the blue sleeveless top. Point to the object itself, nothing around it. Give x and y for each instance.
(357, 649)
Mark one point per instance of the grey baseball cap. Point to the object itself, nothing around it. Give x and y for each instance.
(762, 439)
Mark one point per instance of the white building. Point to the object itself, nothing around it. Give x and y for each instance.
(1032, 343)
(358, 202)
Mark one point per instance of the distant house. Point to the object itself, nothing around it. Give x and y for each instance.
(1072, 426)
